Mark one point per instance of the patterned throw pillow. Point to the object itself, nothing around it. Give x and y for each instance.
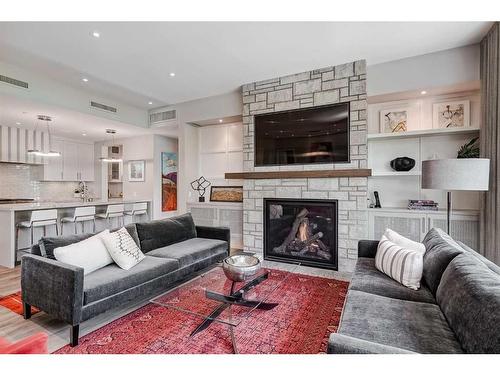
(123, 249)
(401, 264)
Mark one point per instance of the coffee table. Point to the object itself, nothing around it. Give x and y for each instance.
(214, 298)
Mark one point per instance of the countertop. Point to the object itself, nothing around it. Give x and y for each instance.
(65, 204)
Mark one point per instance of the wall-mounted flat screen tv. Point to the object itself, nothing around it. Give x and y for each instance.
(303, 136)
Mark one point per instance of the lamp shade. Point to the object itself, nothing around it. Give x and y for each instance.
(456, 174)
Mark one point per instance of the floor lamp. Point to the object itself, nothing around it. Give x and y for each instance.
(455, 174)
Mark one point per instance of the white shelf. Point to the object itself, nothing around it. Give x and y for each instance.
(391, 174)
(440, 211)
(422, 133)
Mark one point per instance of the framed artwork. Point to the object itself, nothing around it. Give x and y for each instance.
(169, 181)
(451, 114)
(136, 170)
(226, 194)
(394, 120)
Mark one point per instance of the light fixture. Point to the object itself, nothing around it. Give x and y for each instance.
(172, 74)
(423, 92)
(18, 123)
(84, 134)
(455, 174)
(37, 152)
(85, 79)
(221, 120)
(112, 159)
(150, 103)
(96, 34)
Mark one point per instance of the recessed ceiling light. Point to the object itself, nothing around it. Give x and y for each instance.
(18, 123)
(85, 79)
(96, 34)
(221, 120)
(150, 103)
(423, 92)
(84, 134)
(172, 74)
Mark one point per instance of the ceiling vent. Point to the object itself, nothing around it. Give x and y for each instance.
(103, 107)
(14, 82)
(163, 118)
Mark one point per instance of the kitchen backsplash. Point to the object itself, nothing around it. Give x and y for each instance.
(21, 181)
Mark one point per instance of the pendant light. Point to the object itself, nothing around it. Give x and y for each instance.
(51, 152)
(35, 151)
(112, 159)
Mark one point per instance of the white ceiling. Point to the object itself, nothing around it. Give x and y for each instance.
(132, 61)
(67, 123)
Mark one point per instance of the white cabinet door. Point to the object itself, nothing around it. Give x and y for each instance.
(53, 170)
(408, 224)
(86, 161)
(70, 162)
(464, 228)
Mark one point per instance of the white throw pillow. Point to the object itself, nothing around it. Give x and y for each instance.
(123, 249)
(399, 263)
(90, 254)
(403, 241)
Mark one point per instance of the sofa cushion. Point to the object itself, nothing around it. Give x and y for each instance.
(161, 233)
(416, 326)
(469, 296)
(191, 251)
(112, 279)
(367, 278)
(440, 251)
(492, 266)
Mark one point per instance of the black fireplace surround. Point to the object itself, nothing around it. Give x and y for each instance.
(301, 230)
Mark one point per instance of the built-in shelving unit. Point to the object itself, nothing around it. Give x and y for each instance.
(423, 133)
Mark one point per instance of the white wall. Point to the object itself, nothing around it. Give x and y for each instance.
(437, 69)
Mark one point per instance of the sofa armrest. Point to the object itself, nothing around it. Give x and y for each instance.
(340, 344)
(53, 286)
(367, 248)
(215, 233)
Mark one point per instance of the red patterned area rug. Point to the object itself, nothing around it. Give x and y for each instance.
(14, 303)
(309, 310)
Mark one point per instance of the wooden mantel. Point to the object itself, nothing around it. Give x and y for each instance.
(299, 174)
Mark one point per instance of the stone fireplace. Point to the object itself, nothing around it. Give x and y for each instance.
(301, 230)
(336, 84)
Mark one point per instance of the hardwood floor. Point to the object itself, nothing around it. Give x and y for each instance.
(14, 327)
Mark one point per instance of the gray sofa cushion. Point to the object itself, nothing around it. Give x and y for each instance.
(415, 326)
(469, 295)
(440, 249)
(191, 251)
(492, 266)
(112, 279)
(367, 278)
(161, 233)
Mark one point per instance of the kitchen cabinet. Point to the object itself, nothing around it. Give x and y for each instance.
(75, 164)
(415, 224)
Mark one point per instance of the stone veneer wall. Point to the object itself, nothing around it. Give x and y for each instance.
(336, 84)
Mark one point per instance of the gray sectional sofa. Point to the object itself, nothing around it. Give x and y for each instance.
(175, 248)
(457, 309)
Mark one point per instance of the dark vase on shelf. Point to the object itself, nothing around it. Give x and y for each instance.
(402, 164)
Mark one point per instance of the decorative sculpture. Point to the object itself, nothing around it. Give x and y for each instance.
(200, 185)
(403, 164)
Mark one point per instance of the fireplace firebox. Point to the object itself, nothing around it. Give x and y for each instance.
(301, 230)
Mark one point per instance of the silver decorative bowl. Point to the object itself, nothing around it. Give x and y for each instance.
(240, 267)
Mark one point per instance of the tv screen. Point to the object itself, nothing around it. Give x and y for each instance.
(303, 136)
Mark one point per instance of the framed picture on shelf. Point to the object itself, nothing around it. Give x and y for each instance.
(226, 194)
(394, 120)
(451, 114)
(136, 169)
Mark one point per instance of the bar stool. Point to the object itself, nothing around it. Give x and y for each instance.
(112, 211)
(81, 215)
(138, 209)
(41, 218)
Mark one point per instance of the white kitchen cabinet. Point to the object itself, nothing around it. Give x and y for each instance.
(76, 162)
(70, 161)
(53, 169)
(86, 161)
(415, 224)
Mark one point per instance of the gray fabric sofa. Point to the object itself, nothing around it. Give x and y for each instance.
(175, 248)
(457, 309)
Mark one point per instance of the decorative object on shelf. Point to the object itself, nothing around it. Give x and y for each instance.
(394, 120)
(226, 194)
(422, 205)
(136, 169)
(469, 150)
(240, 267)
(200, 185)
(455, 174)
(169, 181)
(377, 200)
(402, 164)
(452, 114)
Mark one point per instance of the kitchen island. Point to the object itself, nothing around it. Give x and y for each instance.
(11, 214)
